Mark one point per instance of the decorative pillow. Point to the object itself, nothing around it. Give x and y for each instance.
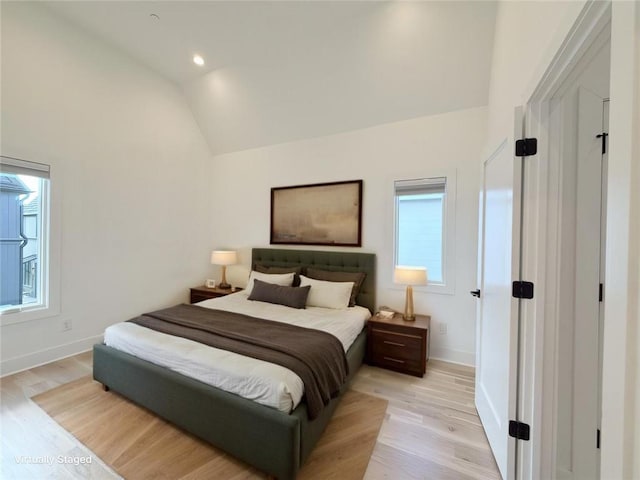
(295, 297)
(284, 279)
(330, 276)
(327, 294)
(296, 271)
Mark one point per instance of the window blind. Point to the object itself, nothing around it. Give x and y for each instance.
(420, 186)
(15, 166)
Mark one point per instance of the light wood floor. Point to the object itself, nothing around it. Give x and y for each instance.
(431, 430)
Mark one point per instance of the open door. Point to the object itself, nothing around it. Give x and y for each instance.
(498, 320)
(586, 389)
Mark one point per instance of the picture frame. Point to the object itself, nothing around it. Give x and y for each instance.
(317, 214)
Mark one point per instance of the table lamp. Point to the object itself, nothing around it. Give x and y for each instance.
(409, 276)
(224, 258)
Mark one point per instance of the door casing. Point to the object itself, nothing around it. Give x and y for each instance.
(542, 249)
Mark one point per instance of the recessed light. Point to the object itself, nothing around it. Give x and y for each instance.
(198, 60)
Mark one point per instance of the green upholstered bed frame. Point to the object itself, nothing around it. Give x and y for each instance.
(272, 441)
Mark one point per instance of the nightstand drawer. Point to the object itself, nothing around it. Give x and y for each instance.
(199, 297)
(399, 346)
(199, 294)
(411, 366)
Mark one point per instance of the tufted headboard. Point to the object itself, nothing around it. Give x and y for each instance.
(335, 261)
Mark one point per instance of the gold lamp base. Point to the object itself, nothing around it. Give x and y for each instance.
(409, 316)
(223, 283)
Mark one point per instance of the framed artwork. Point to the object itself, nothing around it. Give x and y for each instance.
(318, 214)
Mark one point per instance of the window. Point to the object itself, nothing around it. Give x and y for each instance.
(424, 220)
(24, 236)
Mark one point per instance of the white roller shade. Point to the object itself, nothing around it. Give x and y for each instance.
(420, 186)
(16, 166)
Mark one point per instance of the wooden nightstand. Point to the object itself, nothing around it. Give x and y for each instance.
(399, 345)
(198, 294)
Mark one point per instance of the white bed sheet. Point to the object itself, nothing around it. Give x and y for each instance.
(257, 380)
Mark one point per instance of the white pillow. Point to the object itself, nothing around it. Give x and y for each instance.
(284, 279)
(327, 294)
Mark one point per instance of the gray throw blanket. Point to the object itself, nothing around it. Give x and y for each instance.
(316, 357)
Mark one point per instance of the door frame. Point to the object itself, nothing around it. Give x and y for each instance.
(541, 249)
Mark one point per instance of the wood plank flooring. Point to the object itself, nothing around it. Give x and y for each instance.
(26, 431)
(431, 429)
(131, 439)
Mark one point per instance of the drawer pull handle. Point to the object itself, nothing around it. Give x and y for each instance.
(393, 343)
(394, 360)
(396, 334)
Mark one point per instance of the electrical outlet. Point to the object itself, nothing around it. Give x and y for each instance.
(66, 325)
(443, 328)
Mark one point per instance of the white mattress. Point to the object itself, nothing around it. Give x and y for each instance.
(257, 380)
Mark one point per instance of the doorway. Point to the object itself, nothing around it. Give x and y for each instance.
(561, 384)
(558, 349)
(583, 104)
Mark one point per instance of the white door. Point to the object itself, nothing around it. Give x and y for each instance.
(603, 244)
(497, 334)
(589, 275)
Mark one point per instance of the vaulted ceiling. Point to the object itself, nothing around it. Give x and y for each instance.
(277, 71)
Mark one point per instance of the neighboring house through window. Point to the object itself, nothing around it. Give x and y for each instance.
(424, 223)
(24, 253)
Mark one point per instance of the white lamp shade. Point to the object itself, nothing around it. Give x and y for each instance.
(224, 257)
(410, 275)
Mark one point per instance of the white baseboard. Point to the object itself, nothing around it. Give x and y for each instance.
(25, 362)
(453, 356)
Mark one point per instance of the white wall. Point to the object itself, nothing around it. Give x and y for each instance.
(521, 54)
(129, 173)
(426, 146)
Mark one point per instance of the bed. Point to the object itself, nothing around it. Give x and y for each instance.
(275, 442)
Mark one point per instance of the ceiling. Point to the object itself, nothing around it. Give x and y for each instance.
(277, 71)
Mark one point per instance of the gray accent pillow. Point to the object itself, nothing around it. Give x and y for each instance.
(294, 297)
(330, 276)
(275, 270)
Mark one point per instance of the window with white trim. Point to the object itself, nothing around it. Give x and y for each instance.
(24, 235)
(424, 227)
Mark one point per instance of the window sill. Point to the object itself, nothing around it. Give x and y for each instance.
(11, 316)
(435, 289)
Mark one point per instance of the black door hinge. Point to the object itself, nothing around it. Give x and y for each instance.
(518, 430)
(598, 438)
(601, 293)
(522, 289)
(603, 136)
(475, 293)
(526, 147)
